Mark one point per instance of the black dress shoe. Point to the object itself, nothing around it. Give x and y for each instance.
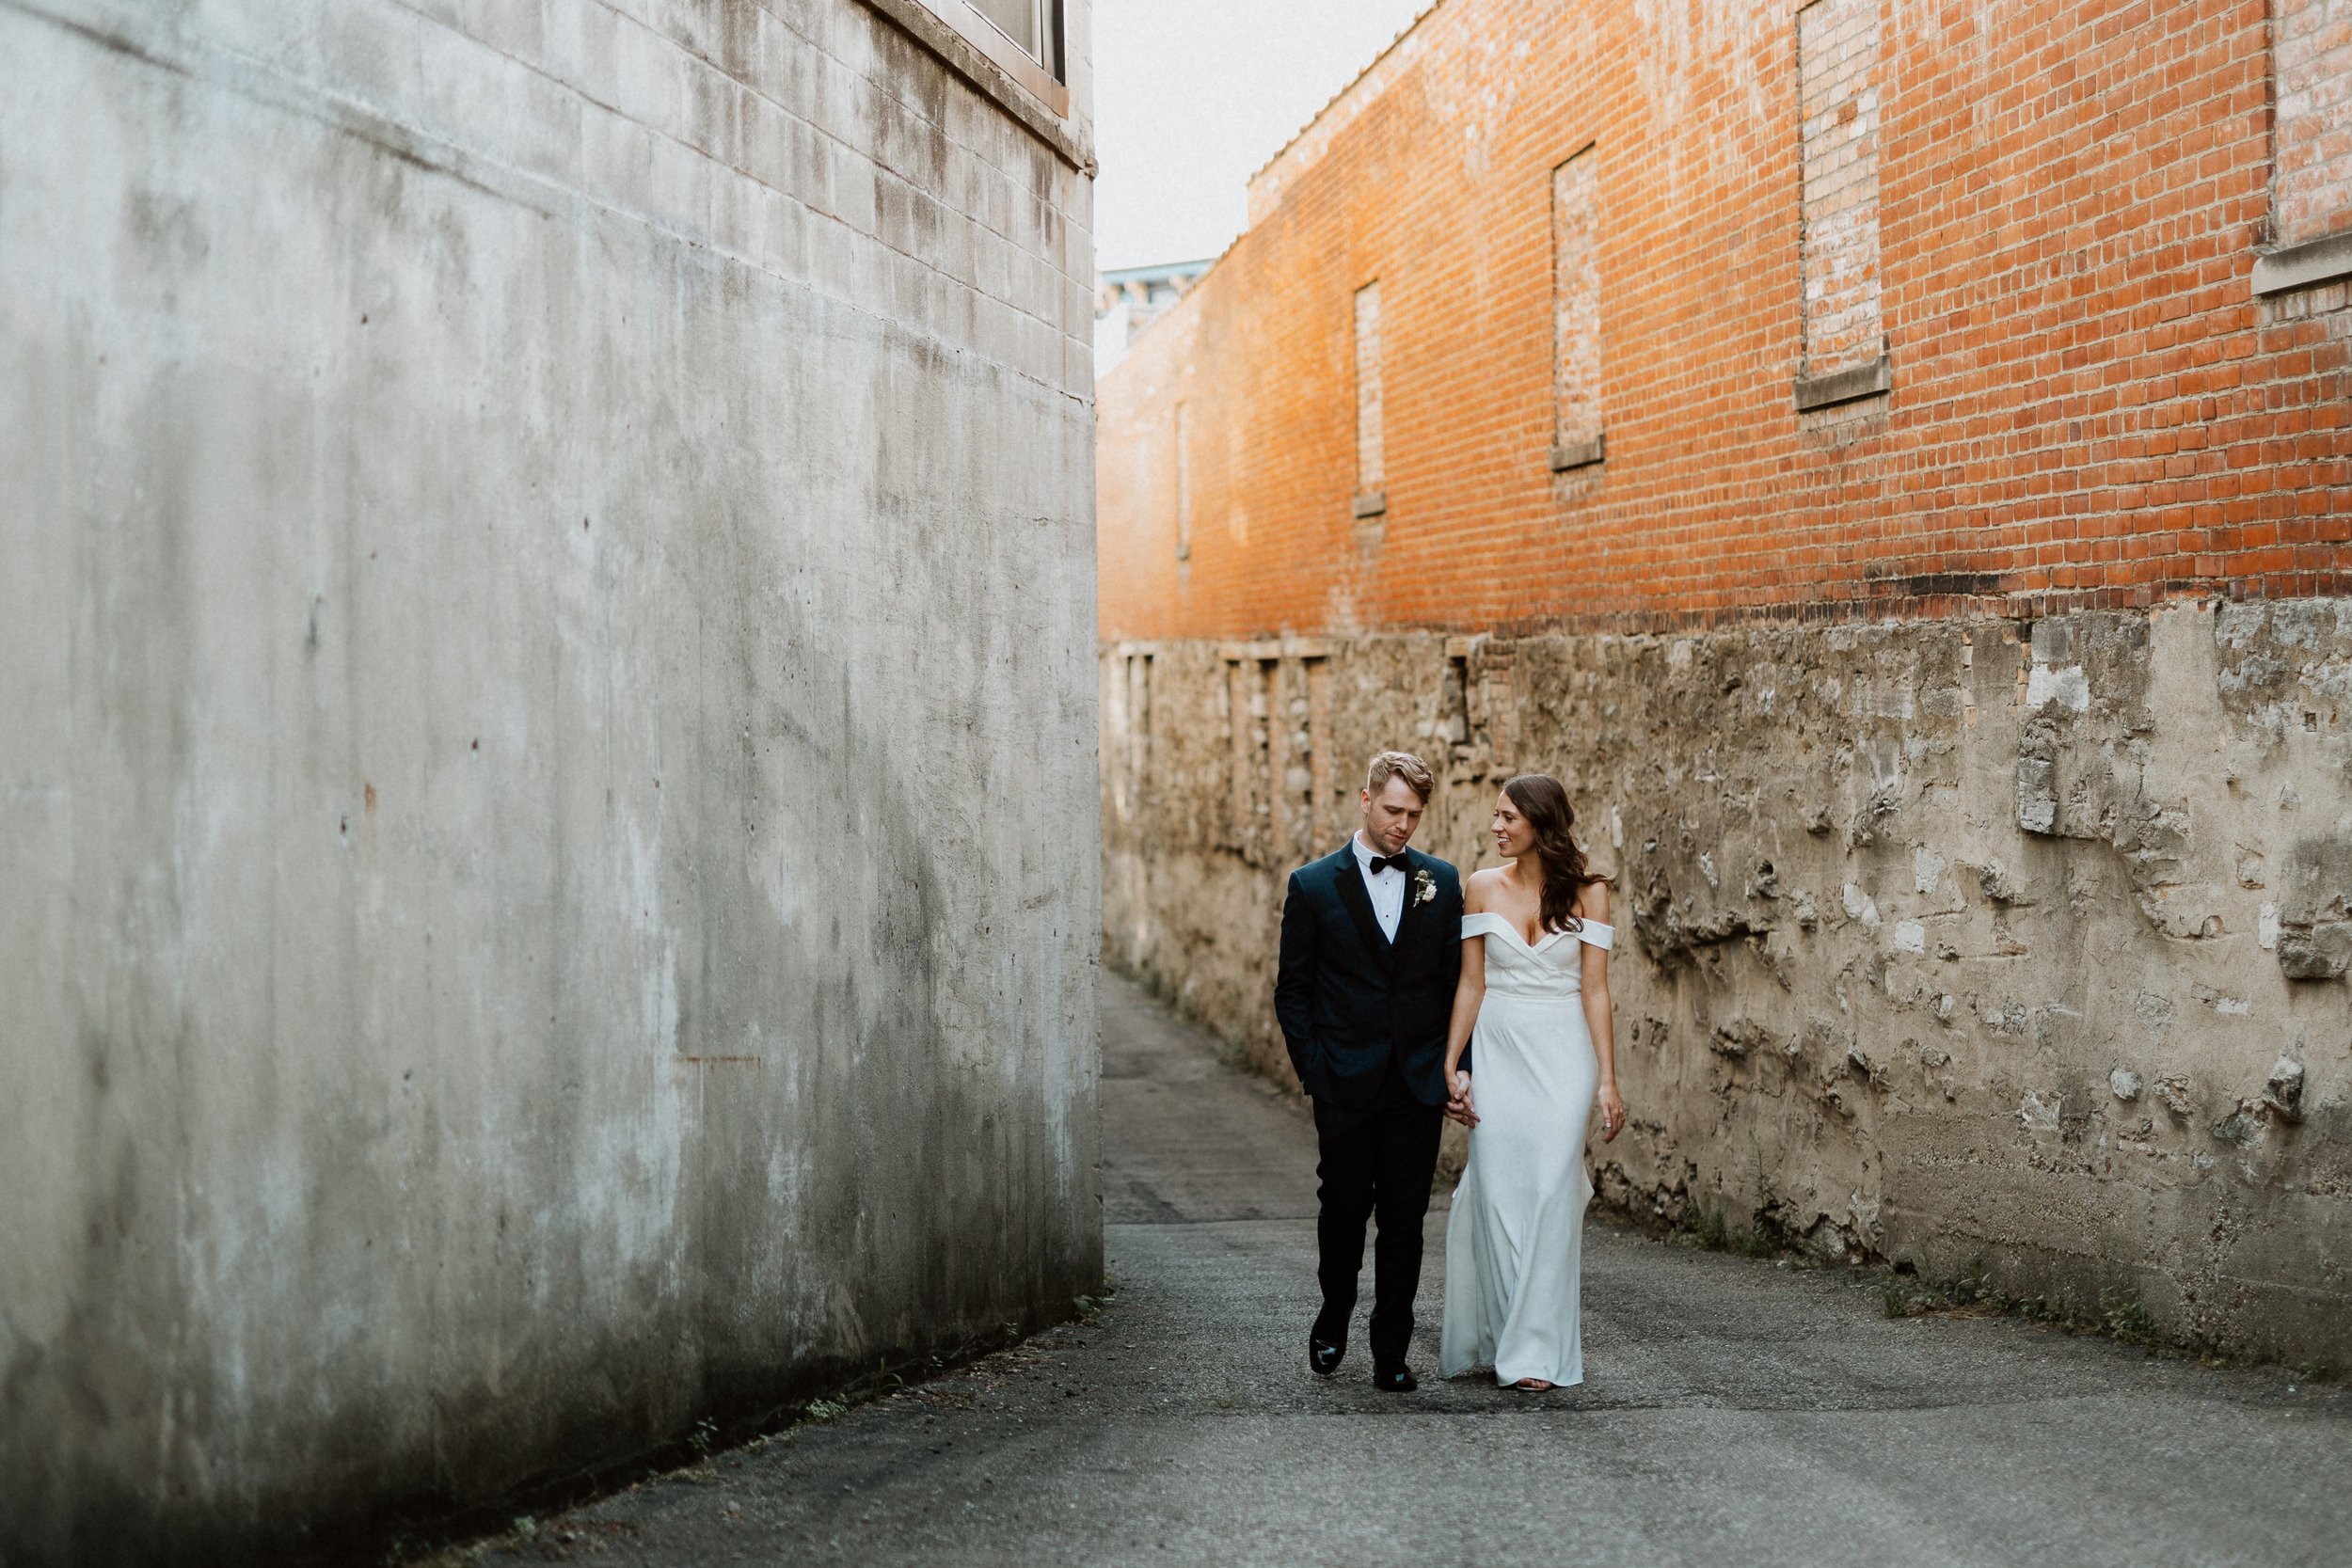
(1396, 1378)
(1322, 1357)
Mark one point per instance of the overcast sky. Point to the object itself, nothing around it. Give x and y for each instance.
(1190, 100)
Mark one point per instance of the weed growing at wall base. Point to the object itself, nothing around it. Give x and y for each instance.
(1711, 1230)
(2121, 1315)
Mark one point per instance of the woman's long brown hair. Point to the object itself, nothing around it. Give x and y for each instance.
(1545, 804)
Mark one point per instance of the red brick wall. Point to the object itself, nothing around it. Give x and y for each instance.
(2089, 405)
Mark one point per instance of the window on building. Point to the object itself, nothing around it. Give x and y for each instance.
(1033, 25)
(1576, 436)
(1311, 767)
(1371, 444)
(1283, 803)
(1184, 486)
(2310, 175)
(1138, 729)
(1844, 354)
(1249, 687)
(1022, 39)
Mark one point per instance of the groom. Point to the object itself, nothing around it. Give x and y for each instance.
(1371, 953)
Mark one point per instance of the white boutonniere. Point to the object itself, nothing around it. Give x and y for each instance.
(1424, 886)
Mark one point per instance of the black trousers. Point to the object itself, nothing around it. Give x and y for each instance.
(1377, 1162)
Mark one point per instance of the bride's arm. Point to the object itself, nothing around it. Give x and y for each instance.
(1469, 992)
(1593, 904)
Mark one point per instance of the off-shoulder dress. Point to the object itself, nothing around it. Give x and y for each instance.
(1514, 1245)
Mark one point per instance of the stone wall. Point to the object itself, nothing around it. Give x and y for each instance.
(1987, 942)
(541, 541)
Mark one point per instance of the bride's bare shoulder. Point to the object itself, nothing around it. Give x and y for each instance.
(1478, 888)
(1592, 902)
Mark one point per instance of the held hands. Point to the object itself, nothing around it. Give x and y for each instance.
(1460, 1107)
(1612, 1113)
(1457, 1105)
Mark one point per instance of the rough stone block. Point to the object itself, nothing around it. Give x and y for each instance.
(2321, 952)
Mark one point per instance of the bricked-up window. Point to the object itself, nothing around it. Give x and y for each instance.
(1845, 340)
(1249, 704)
(1139, 725)
(1183, 486)
(1576, 436)
(2311, 180)
(1317, 761)
(1371, 439)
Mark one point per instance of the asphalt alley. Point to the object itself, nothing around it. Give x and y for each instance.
(1737, 1411)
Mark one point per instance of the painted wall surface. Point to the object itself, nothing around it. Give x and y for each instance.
(548, 789)
(1969, 735)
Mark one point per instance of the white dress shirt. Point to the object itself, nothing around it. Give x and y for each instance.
(1387, 889)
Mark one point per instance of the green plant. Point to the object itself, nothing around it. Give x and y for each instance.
(1908, 1297)
(826, 1410)
(2060, 1311)
(2122, 1314)
(449, 1557)
(703, 1437)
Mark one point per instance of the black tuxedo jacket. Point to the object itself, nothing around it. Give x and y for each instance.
(1348, 999)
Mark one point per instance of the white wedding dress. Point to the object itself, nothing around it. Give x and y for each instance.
(1515, 1240)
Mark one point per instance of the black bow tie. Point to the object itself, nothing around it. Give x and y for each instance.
(1381, 862)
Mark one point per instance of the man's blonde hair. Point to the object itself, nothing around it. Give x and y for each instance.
(1401, 765)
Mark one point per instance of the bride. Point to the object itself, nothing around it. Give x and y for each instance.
(1535, 987)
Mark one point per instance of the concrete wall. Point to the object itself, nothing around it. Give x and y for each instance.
(1967, 944)
(547, 740)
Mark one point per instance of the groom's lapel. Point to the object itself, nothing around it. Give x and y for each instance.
(1348, 878)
